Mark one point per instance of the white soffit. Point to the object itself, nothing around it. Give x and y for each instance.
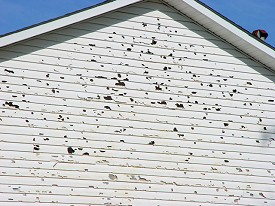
(226, 30)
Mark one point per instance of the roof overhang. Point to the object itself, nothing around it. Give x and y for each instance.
(64, 21)
(227, 30)
(195, 10)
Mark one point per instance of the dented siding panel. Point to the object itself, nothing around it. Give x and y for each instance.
(140, 106)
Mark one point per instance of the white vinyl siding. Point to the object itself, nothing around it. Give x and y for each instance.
(157, 110)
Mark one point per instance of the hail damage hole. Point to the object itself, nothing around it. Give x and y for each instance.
(9, 71)
(112, 177)
(11, 104)
(162, 102)
(119, 83)
(108, 98)
(152, 143)
(107, 107)
(100, 77)
(153, 42)
(158, 88)
(179, 105)
(70, 150)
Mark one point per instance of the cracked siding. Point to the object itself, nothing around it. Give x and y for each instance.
(138, 107)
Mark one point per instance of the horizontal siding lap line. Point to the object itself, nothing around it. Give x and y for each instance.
(34, 203)
(119, 116)
(119, 199)
(116, 166)
(148, 152)
(119, 43)
(147, 68)
(197, 27)
(161, 183)
(131, 191)
(191, 150)
(153, 16)
(169, 84)
(104, 177)
(215, 83)
(149, 21)
(149, 101)
(157, 182)
(210, 187)
(62, 47)
(142, 102)
(243, 57)
(190, 34)
(128, 35)
(256, 65)
(125, 99)
(220, 117)
(153, 125)
(125, 43)
(150, 139)
(157, 185)
(129, 111)
(230, 60)
(224, 101)
(171, 91)
(128, 65)
(230, 139)
(177, 124)
(137, 184)
(106, 180)
(194, 38)
(180, 42)
(156, 123)
(61, 33)
(132, 105)
(120, 157)
(136, 58)
(121, 27)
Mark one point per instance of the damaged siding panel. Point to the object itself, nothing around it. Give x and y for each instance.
(154, 69)
(98, 77)
(195, 100)
(168, 74)
(138, 107)
(148, 54)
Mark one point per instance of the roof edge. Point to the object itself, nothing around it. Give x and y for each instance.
(63, 21)
(227, 30)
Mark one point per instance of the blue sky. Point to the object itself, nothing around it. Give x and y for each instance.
(250, 14)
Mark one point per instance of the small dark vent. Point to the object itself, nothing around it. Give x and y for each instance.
(262, 34)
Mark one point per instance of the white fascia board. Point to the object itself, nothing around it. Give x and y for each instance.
(64, 21)
(238, 38)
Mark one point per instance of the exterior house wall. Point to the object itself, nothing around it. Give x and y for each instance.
(141, 106)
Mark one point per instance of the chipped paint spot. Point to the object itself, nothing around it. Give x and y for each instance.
(112, 177)
(70, 150)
